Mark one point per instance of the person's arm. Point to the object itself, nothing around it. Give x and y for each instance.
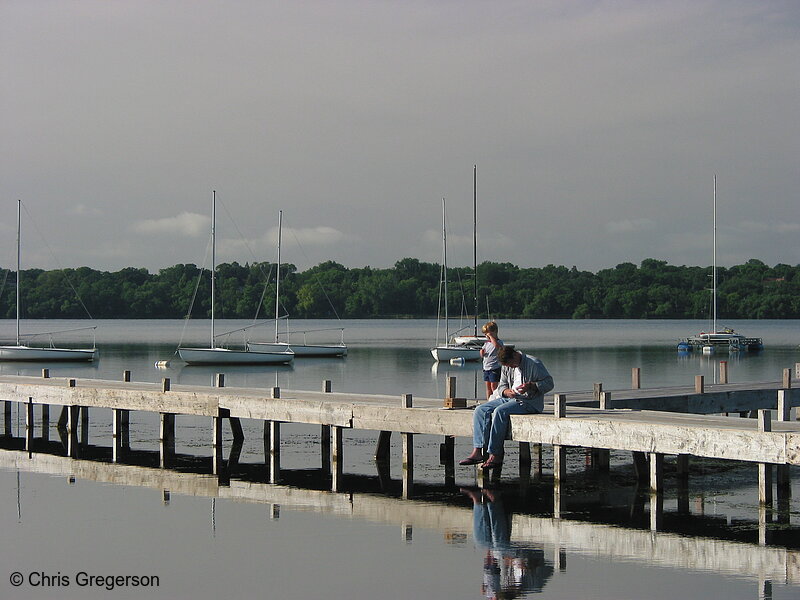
(505, 382)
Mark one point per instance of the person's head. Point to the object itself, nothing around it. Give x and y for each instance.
(490, 327)
(509, 357)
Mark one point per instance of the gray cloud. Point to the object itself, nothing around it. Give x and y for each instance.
(596, 128)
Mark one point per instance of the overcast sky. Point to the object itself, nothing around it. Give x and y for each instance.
(596, 128)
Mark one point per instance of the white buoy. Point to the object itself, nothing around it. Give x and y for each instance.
(162, 364)
(458, 360)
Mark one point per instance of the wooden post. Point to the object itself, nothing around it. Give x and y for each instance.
(656, 472)
(72, 430)
(273, 431)
(656, 510)
(787, 379)
(597, 389)
(29, 425)
(559, 463)
(126, 376)
(165, 384)
(636, 378)
(7, 419)
(408, 451)
(723, 371)
(560, 405)
(699, 384)
(120, 433)
(682, 466)
(325, 437)
(383, 446)
(45, 373)
(451, 387)
(45, 423)
(167, 439)
(783, 472)
(605, 400)
(337, 471)
(764, 469)
(557, 498)
(217, 454)
(408, 464)
(85, 425)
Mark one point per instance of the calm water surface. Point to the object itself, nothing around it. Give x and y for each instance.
(297, 541)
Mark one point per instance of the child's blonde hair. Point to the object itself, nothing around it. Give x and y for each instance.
(490, 326)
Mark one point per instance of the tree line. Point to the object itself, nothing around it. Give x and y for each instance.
(652, 289)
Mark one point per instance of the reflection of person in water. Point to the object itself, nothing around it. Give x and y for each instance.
(509, 570)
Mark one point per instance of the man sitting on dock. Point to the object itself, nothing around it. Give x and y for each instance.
(524, 381)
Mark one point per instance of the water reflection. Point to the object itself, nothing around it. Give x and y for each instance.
(510, 570)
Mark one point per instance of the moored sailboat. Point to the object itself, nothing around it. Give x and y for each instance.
(214, 355)
(449, 350)
(23, 352)
(304, 349)
(719, 337)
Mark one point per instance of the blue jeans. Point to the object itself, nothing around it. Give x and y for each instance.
(490, 422)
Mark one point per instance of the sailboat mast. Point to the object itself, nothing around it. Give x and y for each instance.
(475, 241)
(714, 276)
(444, 262)
(19, 276)
(213, 258)
(278, 276)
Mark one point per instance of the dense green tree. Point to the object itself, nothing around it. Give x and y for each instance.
(653, 289)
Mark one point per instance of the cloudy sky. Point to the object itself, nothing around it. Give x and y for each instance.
(596, 128)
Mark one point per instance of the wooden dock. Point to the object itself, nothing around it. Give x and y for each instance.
(672, 549)
(633, 420)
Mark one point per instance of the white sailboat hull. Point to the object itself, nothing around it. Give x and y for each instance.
(224, 356)
(27, 353)
(449, 352)
(299, 350)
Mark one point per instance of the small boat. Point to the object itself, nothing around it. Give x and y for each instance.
(448, 351)
(303, 350)
(22, 352)
(214, 355)
(719, 337)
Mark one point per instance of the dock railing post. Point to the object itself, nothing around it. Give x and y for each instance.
(636, 378)
(699, 384)
(447, 449)
(723, 371)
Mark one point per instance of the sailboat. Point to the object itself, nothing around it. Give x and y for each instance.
(21, 352)
(303, 349)
(717, 337)
(214, 355)
(449, 351)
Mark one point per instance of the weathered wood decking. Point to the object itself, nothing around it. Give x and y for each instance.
(653, 432)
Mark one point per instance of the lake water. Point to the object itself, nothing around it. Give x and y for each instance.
(297, 541)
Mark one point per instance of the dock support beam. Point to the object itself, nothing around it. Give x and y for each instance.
(325, 437)
(121, 433)
(764, 469)
(167, 439)
(337, 470)
(406, 401)
(560, 452)
(29, 425)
